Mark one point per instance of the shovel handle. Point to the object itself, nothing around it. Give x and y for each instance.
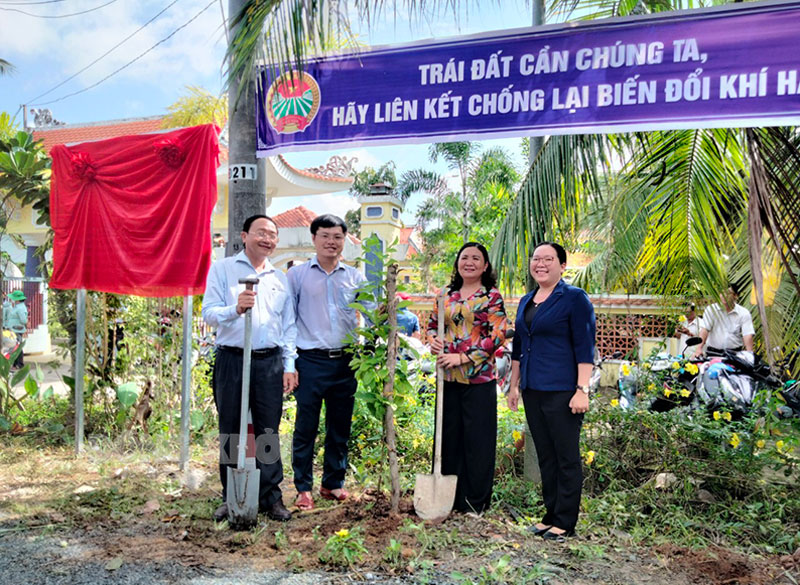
(437, 439)
(249, 283)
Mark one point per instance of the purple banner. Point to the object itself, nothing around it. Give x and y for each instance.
(723, 67)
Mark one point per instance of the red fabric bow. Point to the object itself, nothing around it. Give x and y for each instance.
(82, 166)
(170, 151)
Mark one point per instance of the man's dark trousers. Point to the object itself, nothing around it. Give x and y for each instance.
(332, 380)
(266, 404)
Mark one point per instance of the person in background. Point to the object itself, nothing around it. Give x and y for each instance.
(551, 363)
(15, 319)
(688, 327)
(474, 328)
(272, 372)
(726, 325)
(407, 322)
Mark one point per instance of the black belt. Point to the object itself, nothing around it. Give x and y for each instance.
(256, 353)
(332, 354)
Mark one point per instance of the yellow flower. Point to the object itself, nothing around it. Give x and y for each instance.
(676, 365)
(761, 443)
(651, 386)
(682, 319)
(685, 393)
(716, 415)
(735, 441)
(646, 366)
(516, 435)
(614, 402)
(692, 368)
(343, 533)
(668, 392)
(589, 457)
(626, 370)
(779, 445)
(726, 416)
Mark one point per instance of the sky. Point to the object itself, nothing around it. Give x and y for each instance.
(97, 60)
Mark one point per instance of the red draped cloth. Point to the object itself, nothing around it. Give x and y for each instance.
(132, 215)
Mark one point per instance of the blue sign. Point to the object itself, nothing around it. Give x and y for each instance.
(732, 66)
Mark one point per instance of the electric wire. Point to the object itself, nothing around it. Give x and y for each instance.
(74, 75)
(132, 61)
(26, 3)
(58, 15)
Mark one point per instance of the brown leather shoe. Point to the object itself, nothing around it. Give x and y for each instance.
(329, 495)
(279, 512)
(221, 513)
(304, 501)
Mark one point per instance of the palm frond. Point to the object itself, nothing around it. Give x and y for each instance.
(549, 200)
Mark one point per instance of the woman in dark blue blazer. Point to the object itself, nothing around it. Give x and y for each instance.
(551, 362)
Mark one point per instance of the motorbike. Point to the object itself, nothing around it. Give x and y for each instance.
(9, 343)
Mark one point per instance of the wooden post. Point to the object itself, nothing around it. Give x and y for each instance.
(388, 388)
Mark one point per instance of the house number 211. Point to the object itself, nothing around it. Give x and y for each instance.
(244, 172)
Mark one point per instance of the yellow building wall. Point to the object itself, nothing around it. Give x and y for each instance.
(219, 220)
(22, 221)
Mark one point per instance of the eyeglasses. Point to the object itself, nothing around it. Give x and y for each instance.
(335, 237)
(264, 235)
(546, 260)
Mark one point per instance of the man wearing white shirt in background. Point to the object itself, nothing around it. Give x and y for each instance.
(689, 327)
(726, 325)
(272, 367)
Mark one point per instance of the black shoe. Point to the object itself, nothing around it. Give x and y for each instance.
(221, 513)
(558, 537)
(539, 531)
(279, 512)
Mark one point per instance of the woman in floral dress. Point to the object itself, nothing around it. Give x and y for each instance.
(474, 328)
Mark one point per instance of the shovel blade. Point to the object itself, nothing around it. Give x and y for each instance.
(434, 495)
(242, 497)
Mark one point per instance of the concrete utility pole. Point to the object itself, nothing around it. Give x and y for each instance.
(536, 142)
(246, 174)
(531, 460)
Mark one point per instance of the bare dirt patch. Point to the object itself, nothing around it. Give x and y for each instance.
(106, 509)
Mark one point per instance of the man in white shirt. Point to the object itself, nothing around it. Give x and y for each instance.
(689, 327)
(726, 325)
(272, 370)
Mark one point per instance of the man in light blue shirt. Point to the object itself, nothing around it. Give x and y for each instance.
(272, 367)
(322, 290)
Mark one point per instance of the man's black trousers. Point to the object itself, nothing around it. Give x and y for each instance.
(332, 380)
(266, 404)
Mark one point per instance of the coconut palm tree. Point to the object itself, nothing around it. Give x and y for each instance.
(5, 67)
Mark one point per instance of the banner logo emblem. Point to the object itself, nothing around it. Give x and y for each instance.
(292, 102)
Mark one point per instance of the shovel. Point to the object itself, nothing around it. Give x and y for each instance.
(435, 493)
(243, 483)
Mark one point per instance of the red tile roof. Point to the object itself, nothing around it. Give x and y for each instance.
(96, 131)
(405, 238)
(405, 234)
(92, 131)
(296, 217)
(301, 216)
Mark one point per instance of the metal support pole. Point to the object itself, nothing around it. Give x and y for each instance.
(186, 381)
(80, 355)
